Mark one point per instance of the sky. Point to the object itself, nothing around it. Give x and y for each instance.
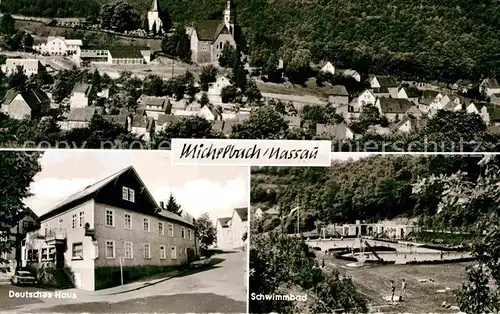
(215, 190)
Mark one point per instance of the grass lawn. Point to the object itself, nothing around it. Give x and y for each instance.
(374, 282)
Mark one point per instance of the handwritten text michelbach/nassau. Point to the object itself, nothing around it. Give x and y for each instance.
(200, 151)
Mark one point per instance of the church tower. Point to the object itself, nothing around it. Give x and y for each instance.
(154, 17)
(228, 19)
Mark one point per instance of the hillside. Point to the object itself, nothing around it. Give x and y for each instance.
(415, 39)
(372, 188)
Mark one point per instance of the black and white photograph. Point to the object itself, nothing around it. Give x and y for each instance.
(376, 234)
(99, 231)
(367, 75)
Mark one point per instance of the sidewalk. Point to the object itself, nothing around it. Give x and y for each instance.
(127, 287)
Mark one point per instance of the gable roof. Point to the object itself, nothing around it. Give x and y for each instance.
(411, 92)
(81, 114)
(145, 122)
(208, 30)
(328, 68)
(224, 222)
(338, 90)
(83, 88)
(493, 111)
(416, 123)
(116, 118)
(491, 83)
(126, 52)
(34, 97)
(386, 81)
(91, 190)
(242, 212)
(394, 105)
(337, 131)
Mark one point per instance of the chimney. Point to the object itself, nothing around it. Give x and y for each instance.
(162, 205)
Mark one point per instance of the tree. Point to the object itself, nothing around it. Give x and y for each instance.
(253, 92)
(7, 25)
(185, 127)
(208, 75)
(166, 20)
(205, 230)
(270, 68)
(228, 93)
(18, 79)
(204, 100)
(264, 123)
(172, 205)
(27, 41)
(154, 86)
(297, 64)
(228, 56)
(191, 91)
(18, 170)
(239, 75)
(369, 116)
(120, 16)
(96, 80)
(145, 24)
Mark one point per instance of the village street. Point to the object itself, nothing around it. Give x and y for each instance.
(220, 288)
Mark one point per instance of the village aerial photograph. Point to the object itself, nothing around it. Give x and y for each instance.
(377, 234)
(94, 231)
(367, 75)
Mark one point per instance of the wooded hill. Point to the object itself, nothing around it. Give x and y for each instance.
(372, 188)
(415, 39)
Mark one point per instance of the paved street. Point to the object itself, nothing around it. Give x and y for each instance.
(220, 288)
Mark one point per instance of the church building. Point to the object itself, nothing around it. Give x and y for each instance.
(154, 17)
(209, 37)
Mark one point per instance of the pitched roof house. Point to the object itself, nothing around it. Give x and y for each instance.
(78, 118)
(489, 86)
(338, 95)
(392, 108)
(142, 126)
(82, 95)
(209, 37)
(116, 217)
(239, 228)
(328, 68)
(224, 235)
(31, 103)
(339, 132)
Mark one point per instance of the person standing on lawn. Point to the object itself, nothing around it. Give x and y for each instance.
(403, 289)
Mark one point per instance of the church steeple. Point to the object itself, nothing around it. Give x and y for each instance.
(227, 13)
(155, 6)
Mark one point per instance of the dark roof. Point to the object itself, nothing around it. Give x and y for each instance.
(412, 92)
(166, 118)
(338, 90)
(386, 81)
(429, 94)
(224, 221)
(91, 190)
(116, 118)
(491, 83)
(81, 114)
(416, 123)
(126, 52)
(242, 213)
(381, 90)
(83, 88)
(208, 30)
(34, 97)
(142, 122)
(493, 111)
(393, 105)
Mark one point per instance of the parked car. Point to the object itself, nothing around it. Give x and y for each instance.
(23, 277)
(202, 262)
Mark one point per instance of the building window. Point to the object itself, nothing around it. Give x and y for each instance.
(77, 251)
(146, 224)
(147, 250)
(163, 252)
(128, 194)
(81, 219)
(183, 232)
(52, 253)
(129, 250)
(190, 234)
(45, 254)
(170, 230)
(110, 218)
(110, 249)
(174, 252)
(73, 223)
(128, 221)
(160, 228)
